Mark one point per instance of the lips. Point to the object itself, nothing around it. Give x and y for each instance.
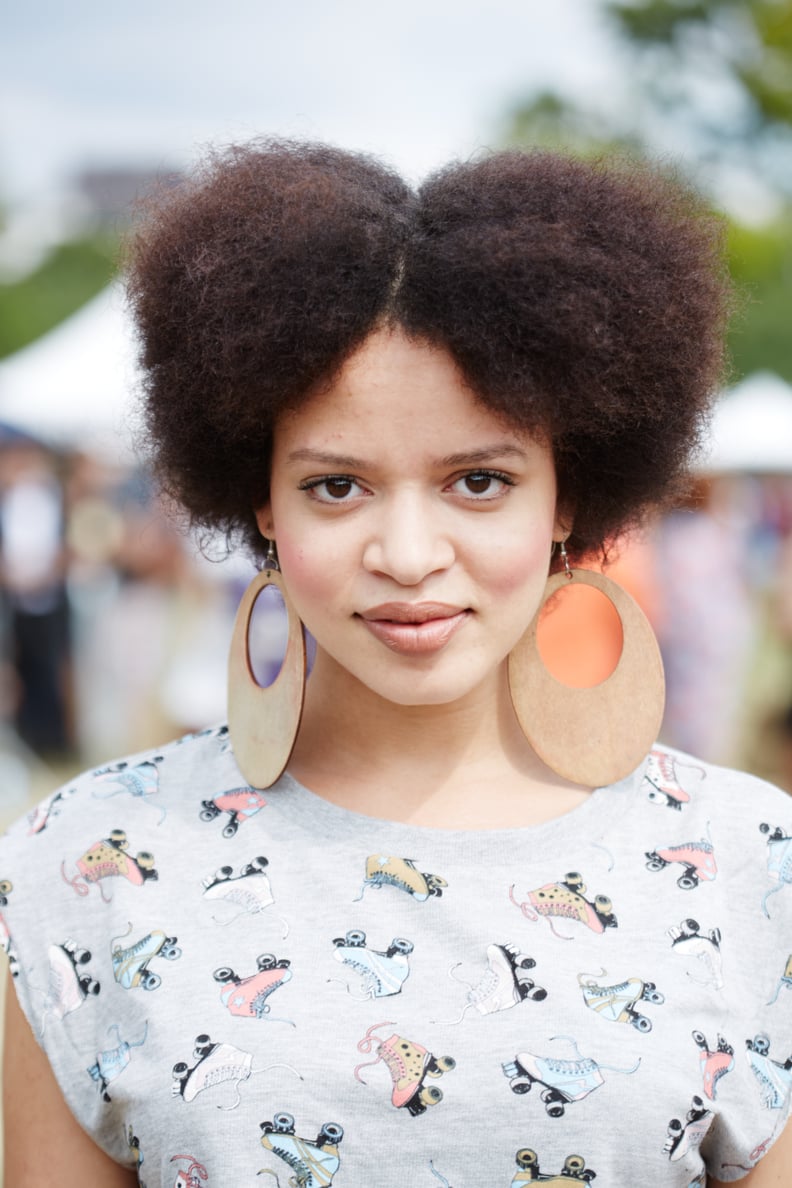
(414, 628)
(410, 612)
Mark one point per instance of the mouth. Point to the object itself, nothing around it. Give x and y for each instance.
(414, 628)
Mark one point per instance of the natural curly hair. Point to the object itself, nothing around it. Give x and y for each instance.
(585, 301)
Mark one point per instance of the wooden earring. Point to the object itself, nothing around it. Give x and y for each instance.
(599, 735)
(263, 722)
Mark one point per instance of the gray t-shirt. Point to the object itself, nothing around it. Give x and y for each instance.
(228, 982)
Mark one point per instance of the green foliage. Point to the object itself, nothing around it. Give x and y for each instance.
(548, 121)
(72, 274)
(761, 263)
(749, 42)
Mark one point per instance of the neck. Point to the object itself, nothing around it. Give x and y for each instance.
(426, 764)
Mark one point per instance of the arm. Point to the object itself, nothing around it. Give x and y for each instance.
(40, 1130)
(773, 1171)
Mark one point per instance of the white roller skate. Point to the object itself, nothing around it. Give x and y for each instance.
(215, 1064)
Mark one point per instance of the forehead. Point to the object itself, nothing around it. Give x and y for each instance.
(399, 391)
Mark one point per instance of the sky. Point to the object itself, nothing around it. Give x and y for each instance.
(151, 83)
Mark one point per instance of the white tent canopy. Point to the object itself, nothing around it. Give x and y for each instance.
(751, 430)
(73, 387)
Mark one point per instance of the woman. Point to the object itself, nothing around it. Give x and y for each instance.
(478, 931)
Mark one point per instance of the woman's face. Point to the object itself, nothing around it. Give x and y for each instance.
(414, 529)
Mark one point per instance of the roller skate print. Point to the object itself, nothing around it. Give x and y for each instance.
(39, 817)
(409, 1065)
(135, 1154)
(773, 1076)
(685, 1138)
(574, 1171)
(220, 733)
(194, 1175)
(785, 981)
(753, 1158)
(239, 803)
(779, 860)
(383, 870)
(107, 859)
(68, 987)
(661, 781)
(110, 1063)
(7, 943)
(616, 1003)
(6, 887)
(560, 1082)
(137, 779)
(505, 982)
(215, 1064)
(705, 947)
(714, 1063)
(314, 1162)
(249, 891)
(383, 973)
(247, 997)
(566, 900)
(697, 857)
(130, 964)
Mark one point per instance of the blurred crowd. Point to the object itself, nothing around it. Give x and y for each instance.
(114, 626)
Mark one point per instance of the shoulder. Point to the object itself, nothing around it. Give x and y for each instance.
(681, 781)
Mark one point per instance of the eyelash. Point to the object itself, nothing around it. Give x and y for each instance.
(498, 475)
(313, 485)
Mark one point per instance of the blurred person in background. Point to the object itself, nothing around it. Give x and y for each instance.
(371, 913)
(33, 584)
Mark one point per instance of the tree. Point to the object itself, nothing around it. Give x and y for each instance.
(72, 274)
(710, 83)
(722, 67)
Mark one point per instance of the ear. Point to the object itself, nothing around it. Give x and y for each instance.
(264, 521)
(564, 521)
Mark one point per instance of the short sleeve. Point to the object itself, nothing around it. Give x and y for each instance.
(753, 826)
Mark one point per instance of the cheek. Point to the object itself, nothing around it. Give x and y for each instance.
(308, 579)
(522, 567)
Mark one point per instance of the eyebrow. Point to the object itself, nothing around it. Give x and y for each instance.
(504, 449)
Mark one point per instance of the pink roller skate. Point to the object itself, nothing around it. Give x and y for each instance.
(409, 1065)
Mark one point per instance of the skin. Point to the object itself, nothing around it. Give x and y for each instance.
(41, 1136)
(415, 734)
(394, 485)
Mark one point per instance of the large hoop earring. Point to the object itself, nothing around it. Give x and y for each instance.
(592, 736)
(263, 722)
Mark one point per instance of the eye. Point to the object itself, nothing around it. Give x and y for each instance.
(482, 484)
(333, 488)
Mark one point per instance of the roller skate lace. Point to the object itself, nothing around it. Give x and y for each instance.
(223, 1072)
(303, 1170)
(665, 769)
(395, 1063)
(371, 982)
(101, 870)
(607, 991)
(567, 1067)
(485, 988)
(557, 908)
(135, 949)
(244, 898)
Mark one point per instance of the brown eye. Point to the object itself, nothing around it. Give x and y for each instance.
(338, 488)
(478, 484)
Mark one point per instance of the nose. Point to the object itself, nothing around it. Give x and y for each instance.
(408, 542)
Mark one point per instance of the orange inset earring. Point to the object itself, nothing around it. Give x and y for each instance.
(598, 735)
